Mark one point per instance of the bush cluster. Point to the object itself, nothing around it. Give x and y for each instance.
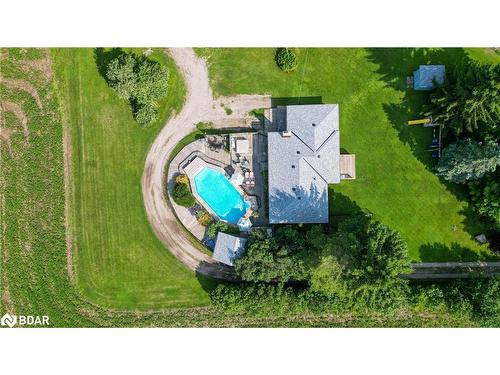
(221, 226)
(204, 217)
(182, 194)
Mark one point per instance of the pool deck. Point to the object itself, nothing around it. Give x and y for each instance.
(218, 159)
(192, 168)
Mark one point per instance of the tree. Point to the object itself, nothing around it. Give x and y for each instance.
(485, 197)
(468, 102)
(140, 81)
(365, 258)
(146, 114)
(286, 59)
(121, 75)
(329, 277)
(277, 258)
(468, 160)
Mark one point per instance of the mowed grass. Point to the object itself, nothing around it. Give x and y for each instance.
(119, 261)
(395, 181)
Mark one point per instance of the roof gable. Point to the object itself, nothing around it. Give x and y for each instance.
(312, 124)
(228, 248)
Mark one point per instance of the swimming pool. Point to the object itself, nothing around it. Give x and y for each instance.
(220, 195)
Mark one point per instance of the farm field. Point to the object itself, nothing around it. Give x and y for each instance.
(120, 263)
(395, 181)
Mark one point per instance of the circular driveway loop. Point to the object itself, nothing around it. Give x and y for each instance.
(199, 106)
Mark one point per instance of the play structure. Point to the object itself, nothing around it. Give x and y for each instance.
(435, 146)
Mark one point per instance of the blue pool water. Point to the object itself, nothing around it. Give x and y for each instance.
(220, 195)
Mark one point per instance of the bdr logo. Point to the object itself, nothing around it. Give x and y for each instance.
(24, 320)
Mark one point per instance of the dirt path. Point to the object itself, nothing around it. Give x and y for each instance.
(200, 105)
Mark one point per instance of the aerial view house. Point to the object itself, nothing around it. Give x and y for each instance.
(304, 157)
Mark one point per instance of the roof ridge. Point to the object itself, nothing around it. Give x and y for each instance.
(300, 139)
(314, 169)
(327, 139)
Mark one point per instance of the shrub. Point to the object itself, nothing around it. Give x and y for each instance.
(182, 179)
(204, 217)
(182, 195)
(286, 59)
(203, 126)
(221, 226)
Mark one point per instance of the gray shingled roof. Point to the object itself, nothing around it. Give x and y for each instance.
(301, 166)
(228, 248)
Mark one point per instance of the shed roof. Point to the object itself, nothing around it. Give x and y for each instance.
(303, 163)
(228, 248)
(425, 76)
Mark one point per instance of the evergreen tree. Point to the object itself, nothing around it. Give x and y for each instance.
(468, 160)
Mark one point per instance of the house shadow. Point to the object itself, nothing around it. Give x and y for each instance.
(296, 100)
(438, 252)
(394, 65)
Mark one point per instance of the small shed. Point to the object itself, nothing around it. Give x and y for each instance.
(228, 248)
(425, 77)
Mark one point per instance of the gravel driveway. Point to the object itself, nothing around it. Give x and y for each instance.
(200, 105)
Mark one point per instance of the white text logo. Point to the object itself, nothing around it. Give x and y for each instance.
(24, 320)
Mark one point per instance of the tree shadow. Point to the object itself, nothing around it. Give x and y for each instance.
(438, 252)
(299, 206)
(103, 56)
(394, 65)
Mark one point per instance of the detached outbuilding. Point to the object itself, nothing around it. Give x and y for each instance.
(228, 248)
(427, 76)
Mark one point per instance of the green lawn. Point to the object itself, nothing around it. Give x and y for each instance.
(120, 263)
(394, 177)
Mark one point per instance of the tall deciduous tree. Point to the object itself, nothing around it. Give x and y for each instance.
(468, 160)
(277, 258)
(140, 81)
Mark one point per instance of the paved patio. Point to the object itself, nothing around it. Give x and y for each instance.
(254, 160)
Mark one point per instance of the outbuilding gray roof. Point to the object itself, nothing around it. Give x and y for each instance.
(228, 248)
(302, 162)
